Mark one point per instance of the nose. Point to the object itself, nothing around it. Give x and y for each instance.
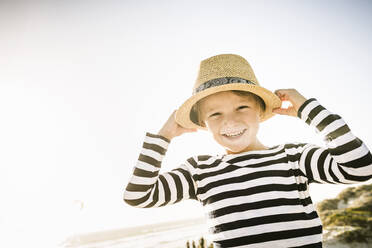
(230, 120)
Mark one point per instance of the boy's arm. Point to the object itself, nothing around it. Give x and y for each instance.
(346, 159)
(147, 188)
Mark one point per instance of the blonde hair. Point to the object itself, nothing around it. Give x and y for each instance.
(195, 114)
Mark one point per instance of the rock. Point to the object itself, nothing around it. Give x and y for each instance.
(347, 219)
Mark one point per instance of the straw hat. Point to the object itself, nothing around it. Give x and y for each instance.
(222, 73)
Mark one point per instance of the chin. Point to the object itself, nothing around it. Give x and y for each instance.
(234, 150)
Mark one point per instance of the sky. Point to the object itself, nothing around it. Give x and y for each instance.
(81, 82)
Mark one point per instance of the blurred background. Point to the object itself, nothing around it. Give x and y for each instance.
(82, 81)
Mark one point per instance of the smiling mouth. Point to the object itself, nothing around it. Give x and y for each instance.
(233, 135)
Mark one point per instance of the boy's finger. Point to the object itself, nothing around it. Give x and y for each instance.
(282, 111)
(281, 94)
(281, 91)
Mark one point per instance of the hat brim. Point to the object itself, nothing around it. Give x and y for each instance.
(271, 101)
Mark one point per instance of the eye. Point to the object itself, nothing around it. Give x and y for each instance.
(242, 107)
(214, 114)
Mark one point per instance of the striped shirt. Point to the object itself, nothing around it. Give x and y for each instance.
(256, 198)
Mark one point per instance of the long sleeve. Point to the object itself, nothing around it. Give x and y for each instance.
(147, 188)
(345, 159)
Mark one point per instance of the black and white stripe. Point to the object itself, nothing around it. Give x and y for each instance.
(256, 198)
(149, 189)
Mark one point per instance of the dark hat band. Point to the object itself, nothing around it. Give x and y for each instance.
(221, 81)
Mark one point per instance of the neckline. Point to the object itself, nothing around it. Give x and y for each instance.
(226, 156)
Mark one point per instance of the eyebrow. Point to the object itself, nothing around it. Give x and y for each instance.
(212, 109)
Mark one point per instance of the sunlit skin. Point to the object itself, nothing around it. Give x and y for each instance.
(233, 121)
(238, 115)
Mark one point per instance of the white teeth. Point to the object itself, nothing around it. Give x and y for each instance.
(234, 134)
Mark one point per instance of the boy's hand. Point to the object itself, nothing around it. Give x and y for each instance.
(172, 129)
(291, 95)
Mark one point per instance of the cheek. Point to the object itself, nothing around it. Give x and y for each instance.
(251, 118)
(212, 128)
(212, 125)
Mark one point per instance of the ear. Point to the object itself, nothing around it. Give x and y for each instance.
(204, 124)
(262, 114)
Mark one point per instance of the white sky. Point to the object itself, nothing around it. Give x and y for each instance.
(82, 81)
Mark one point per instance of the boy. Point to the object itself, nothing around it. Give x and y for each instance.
(253, 196)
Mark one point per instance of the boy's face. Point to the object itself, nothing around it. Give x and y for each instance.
(233, 120)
